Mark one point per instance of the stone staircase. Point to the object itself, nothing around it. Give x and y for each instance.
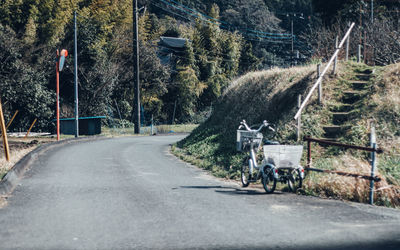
(344, 108)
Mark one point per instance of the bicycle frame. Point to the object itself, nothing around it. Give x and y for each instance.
(253, 164)
(280, 162)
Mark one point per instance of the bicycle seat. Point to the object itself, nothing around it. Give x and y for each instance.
(268, 142)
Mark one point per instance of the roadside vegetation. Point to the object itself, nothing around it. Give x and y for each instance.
(128, 129)
(19, 147)
(272, 95)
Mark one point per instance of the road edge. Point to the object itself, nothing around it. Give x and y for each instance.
(13, 176)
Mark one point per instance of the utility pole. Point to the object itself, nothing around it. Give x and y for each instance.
(76, 78)
(136, 106)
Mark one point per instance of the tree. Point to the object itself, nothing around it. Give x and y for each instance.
(189, 89)
(248, 61)
(22, 87)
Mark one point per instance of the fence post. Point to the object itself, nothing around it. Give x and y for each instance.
(359, 54)
(373, 164)
(347, 48)
(336, 58)
(320, 85)
(365, 47)
(151, 125)
(173, 115)
(298, 119)
(308, 154)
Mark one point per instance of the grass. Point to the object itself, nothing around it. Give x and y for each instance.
(272, 95)
(159, 129)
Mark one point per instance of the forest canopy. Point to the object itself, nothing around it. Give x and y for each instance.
(222, 40)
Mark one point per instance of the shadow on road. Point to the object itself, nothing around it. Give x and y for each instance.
(230, 190)
(388, 245)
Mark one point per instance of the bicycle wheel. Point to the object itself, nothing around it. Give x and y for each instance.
(245, 172)
(294, 181)
(268, 180)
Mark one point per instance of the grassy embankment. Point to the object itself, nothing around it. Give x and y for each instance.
(272, 95)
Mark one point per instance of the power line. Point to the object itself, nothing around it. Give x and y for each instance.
(220, 23)
(250, 36)
(173, 13)
(244, 34)
(223, 22)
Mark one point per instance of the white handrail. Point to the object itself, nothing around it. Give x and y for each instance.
(323, 72)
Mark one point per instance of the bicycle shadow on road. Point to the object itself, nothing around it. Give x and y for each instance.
(231, 190)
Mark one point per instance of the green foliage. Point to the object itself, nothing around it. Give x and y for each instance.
(189, 89)
(248, 61)
(22, 87)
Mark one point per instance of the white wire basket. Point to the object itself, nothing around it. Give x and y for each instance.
(283, 156)
(245, 138)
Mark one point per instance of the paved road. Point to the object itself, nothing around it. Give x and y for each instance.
(130, 193)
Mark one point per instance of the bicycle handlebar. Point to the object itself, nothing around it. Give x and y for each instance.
(264, 124)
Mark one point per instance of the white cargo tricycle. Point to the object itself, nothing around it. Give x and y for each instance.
(280, 162)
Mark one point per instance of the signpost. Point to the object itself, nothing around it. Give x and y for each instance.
(59, 67)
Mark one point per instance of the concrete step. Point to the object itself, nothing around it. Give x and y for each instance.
(340, 117)
(351, 97)
(358, 85)
(341, 107)
(365, 71)
(330, 139)
(363, 76)
(335, 131)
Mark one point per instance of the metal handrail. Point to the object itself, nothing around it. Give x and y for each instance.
(324, 72)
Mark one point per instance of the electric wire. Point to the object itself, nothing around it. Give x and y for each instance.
(228, 26)
(223, 22)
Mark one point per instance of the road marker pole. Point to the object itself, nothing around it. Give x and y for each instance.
(58, 95)
(59, 66)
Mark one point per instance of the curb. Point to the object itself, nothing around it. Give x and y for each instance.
(11, 179)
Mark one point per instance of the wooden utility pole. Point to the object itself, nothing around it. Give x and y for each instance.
(4, 134)
(136, 106)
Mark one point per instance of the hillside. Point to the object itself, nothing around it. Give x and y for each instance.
(272, 95)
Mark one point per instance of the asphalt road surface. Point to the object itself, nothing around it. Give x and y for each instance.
(130, 193)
